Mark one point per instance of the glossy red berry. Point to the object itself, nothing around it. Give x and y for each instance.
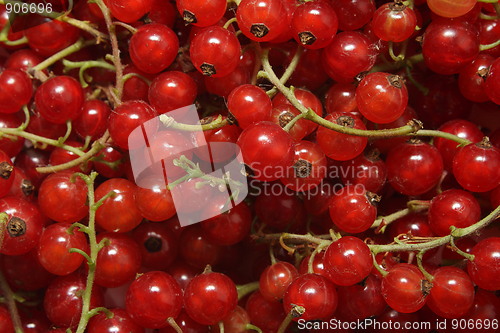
(54, 245)
(453, 208)
(197, 249)
(394, 22)
(475, 167)
(493, 82)
(63, 200)
(381, 97)
(449, 46)
(353, 14)
(215, 51)
(453, 8)
(16, 90)
(129, 11)
(153, 298)
(452, 293)
(275, 280)
(264, 313)
(414, 167)
(267, 150)
(315, 293)
(249, 104)
(158, 245)
(261, 21)
(202, 13)
(353, 209)
(348, 261)
(92, 120)
(7, 174)
(171, 90)
(472, 85)
(339, 146)
(59, 99)
(404, 288)
(485, 267)
(120, 323)
(314, 24)
(127, 117)
(210, 298)
(153, 47)
(367, 169)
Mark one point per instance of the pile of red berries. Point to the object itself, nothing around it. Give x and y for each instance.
(368, 131)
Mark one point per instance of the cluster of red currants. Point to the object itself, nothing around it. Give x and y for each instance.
(354, 211)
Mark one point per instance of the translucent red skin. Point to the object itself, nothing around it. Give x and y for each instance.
(338, 146)
(197, 250)
(59, 99)
(207, 12)
(110, 154)
(453, 207)
(402, 288)
(153, 202)
(25, 271)
(361, 301)
(351, 210)
(492, 83)
(309, 72)
(126, 117)
(317, 18)
(92, 120)
(348, 261)
(168, 248)
(353, 14)
(369, 172)
(471, 85)
(277, 208)
(452, 292)
(393, 25)
(62, 200)
(228, 133)
(414, 169)
(171, 90)
(269, 12)
(476, 168)
(378, 100)
(119, 213)
(63, 303)
(267, 149)
(341, 97)
(47, 36)
(485, 306)
(312, 153)
(28, 160)
(120, 323)
(315, 293)
(449, 46)
(152, 298)
(451, 8)
(210, 297)
(216, 46)
(265, 313)
(183, 272)
(227, 228)
(153, 47)
(129, 11)
(11, 148)
(275, 280)
(249, 104)
(23, 59)
(448, 148)
(489, 30)
(53, 249)
(15, 207)
(485, 268)
(349, 54)
(16, 89)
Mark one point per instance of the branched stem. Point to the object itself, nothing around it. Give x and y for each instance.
(80, 44)
(169, 122)
(246, 289)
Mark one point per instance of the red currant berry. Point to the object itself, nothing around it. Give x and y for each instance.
(203, 13)
(414, 167)
(451, 8)
(475, 167)
(394, 22)
(153, 298)
(348, 261)
(210, 298)
(248, 104)
(158, 245)
(275, 280)
(353, 14)
(92, 120)
(129, 11)
(261, 21)
(16, 90)
(485, 267)
(120, 323)
(470, 80)
(381, 97)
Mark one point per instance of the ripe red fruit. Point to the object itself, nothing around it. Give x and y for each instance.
(261, 20)
(16, 90)
(129, 11)
(275, 280)
(394, 22)
(202, 13)
(485, 267)
(314, 24)
(249, 104)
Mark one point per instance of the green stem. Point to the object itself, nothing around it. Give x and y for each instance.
(423, 90)
(126, 26)
(86, 314)
(295, 312)
(487, 17)
(221, 326)
(80, 44)
(292, 122)
(427, 275)
(169, 122)
(381, 222)
(247, 289)
(318, 249)
(253, 327)
(444, 135)
(377, 266)
(11, 303)
(289, 70)
(456, 249)
(271, 253)
(229, 22)
(174, 325)
(391, 52)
